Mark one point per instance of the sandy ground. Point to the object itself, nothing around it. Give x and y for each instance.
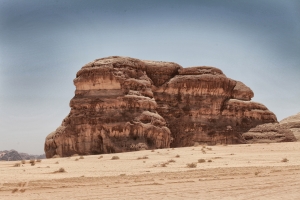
(253, 171)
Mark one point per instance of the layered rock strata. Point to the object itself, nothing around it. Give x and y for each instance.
(125, 104)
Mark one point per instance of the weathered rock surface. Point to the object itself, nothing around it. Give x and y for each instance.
(124, 104)
(267, 133)
(293, 124)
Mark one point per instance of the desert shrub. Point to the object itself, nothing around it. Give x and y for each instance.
(14, 190)
(61, 170)
(209, 161)
(169, 161)
(32, 162)
(144, 157)
(115, 158)
(56, 162)
(177, 156)
(284, 160)
(201, 160)
(203, 151)
(17, 164)
(100, 157)
(23, 161)
(208, 148)
(191, 165)
(81, 157)
(38, 160)
(76, 159)
(152, 150)
(163, 164)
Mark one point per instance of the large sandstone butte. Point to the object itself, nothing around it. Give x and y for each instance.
(125, 104)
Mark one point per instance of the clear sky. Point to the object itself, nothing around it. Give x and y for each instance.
(44, 43)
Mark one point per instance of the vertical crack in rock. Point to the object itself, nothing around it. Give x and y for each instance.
(125, 104)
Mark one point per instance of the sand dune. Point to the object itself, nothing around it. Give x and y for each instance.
(253, 171)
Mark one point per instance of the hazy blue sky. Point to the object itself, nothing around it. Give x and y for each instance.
(44, 43)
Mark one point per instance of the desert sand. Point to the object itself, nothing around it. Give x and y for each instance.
(248, 171)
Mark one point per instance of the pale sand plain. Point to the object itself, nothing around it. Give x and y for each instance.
(246, 171)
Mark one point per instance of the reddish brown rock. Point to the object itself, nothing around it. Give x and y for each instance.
(124, 104)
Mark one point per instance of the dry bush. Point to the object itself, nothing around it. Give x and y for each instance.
(284, 160)
(38, 160)
(169, 161)
(256, 173)
(201, 160)
(22, 190)
(209, 161)
(144, 157)
(115, 158)
(81, 157)
(152, 150)
(56, 162)
(163, 164)
(203, 151)
(76, 159)
(191, 165)
(56, 156)
(60, 170)
(23, 161)
(14, 190)
(177, 156)
(100, 157)
(32, 162)
(208, 148)
(17, 164)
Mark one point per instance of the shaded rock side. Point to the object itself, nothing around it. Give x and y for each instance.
(125, 104)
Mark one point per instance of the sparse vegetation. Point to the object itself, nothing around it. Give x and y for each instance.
(76, 159)
(60, 170)
(32, 162)
(203, 151)
(144, 157)
(201, 160)
(17, 164)
(209, 161)
(208, 148)
(100, 157)
(115, 158)
(56, 162)
(81, 157)
(23, 161)
(152, 150)
(284, 160)
(177, 156)
(38, 160)
(163, 164)
(14, 190)
(191, 165)
(169, 161)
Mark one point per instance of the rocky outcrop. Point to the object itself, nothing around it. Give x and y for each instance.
(268, 133)
(292, 123)
(124, 104)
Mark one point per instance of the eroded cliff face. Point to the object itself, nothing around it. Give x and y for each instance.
(125, 104)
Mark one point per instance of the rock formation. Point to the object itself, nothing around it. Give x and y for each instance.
(293, 124)
(124, 104)
(287, 130)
